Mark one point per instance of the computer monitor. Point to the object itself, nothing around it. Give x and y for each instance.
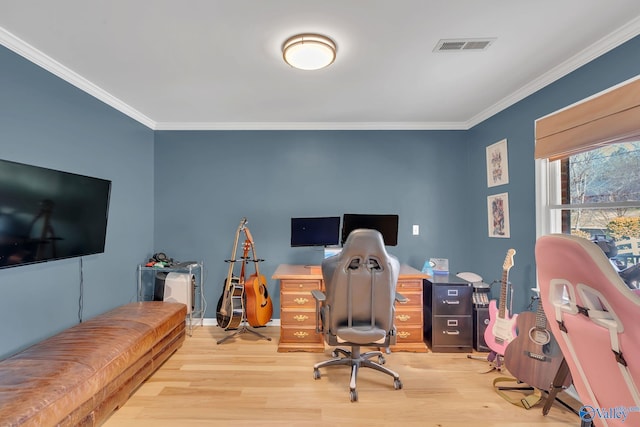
(386, 224)
(315, 231)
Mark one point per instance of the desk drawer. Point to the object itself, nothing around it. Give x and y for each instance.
(303, 335)
(407, 317)
(297, 300)
(409, 285)
(297, 318)
(414, 300)
(408, 334)
(299, 285)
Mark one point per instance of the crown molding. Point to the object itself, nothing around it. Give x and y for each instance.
(310, 126)
(604, 45)
(601, 47)
(32, 54)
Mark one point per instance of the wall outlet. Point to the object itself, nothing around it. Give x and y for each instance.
(416, 230)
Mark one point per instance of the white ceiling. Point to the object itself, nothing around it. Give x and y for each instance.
(217, 64)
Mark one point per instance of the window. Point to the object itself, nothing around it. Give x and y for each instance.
(596, 194)
(588, 174)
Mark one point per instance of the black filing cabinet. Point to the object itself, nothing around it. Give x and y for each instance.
(449, 300)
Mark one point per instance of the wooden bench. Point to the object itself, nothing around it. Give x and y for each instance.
(81, 375)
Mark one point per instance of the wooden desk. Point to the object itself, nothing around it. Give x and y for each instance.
(298, 309)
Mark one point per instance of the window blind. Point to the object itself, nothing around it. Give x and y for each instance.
(608, 117)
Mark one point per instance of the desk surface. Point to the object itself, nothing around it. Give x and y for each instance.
(291, 271)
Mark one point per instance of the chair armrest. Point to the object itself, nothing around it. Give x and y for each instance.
(401, 298)
(318, 295)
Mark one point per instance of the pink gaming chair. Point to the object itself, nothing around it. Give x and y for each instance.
(595, 318)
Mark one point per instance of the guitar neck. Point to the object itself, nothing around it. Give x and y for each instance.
(233, 253)
(541, 318)
(503, 295)
(253, 251)
(506, 266)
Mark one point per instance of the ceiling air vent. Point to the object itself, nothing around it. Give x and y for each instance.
(453, 45)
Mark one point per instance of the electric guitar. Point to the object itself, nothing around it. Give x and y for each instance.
(231, 304)
(534, 356)
(259, 307)
(502, 328)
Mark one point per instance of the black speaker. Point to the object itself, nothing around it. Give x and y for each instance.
(480, 323)
(158, 286)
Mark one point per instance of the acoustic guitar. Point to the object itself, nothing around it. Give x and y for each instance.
(259, 307)
(502, 327)
(534, 356)
(230, 308)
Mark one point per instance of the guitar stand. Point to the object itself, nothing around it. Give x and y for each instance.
(556, 387)
(494, 359)
(241, 330)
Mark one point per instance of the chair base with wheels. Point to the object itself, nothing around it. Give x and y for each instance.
(355, 359)
(357, 308)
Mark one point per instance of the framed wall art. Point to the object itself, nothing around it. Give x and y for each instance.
(498, 214)
(497, 164)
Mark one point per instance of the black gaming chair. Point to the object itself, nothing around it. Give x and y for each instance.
(357, 307)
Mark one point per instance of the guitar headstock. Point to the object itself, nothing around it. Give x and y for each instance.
(246, 247)
(508, 260)
(249, 236)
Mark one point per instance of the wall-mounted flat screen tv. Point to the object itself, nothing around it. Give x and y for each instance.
(47, 214)
(315, 231)
(386, 224)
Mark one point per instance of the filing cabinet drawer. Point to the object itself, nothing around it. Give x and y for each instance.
(452, 332)
(452, 300)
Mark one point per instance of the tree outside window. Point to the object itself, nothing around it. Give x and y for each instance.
(600, 192)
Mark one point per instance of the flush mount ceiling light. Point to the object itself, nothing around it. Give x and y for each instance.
(309, 51)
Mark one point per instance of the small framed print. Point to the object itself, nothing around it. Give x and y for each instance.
(498, 214)
(497, 164)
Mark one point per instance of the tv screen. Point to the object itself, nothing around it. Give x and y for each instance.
(386, 224)
(47, 214)
(318, 231)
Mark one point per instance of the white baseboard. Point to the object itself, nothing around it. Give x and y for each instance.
(214, 322)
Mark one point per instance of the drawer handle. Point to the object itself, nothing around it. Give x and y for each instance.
(454, 302)
(404, 334)
(301, 334)
(403, 317)
(300, 317)
(451, 332)
(301, 301)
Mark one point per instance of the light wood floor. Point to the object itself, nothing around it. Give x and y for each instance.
(246, 382)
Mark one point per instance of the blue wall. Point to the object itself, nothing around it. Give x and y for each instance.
(207, 181)
(517, 125)
(45, 121)
(184, 192)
